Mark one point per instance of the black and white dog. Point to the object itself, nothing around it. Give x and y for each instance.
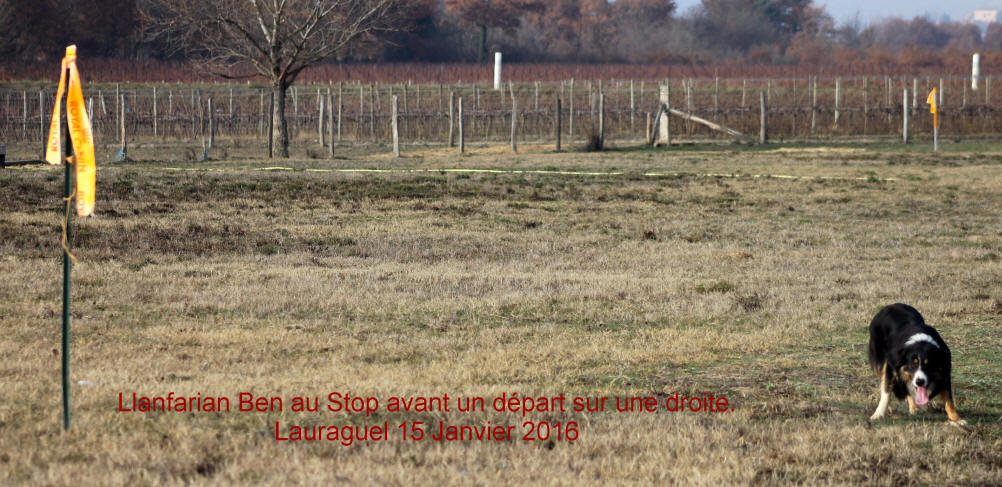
(911, 359)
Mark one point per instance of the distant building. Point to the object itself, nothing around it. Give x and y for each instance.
(985, 16)
(982, 18)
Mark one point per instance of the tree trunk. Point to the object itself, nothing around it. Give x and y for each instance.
(281, 129)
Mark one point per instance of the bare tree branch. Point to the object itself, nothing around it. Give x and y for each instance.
(277, 38)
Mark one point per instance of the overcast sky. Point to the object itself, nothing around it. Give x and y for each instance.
(871, 10)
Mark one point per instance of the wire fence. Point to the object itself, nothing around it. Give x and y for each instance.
(359, 113)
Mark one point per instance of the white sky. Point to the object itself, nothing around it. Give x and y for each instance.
(870, 10)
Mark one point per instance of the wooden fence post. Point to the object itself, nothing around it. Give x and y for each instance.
(396, 132)
(260, 114)
(212, 125)
(559, 116)
(462, 136)
(570, 114)
(663, 120)
(601, 120)
(372, 111)
(838, 99)
(716, 95)
(361, 112)
(405, 111)
(866, 105)
(452, 111)
(648, 135)
(154, 111)
(123, 153)
(514, 123)
(41, 116)
(795, 111)
(688, 104)
(633, 109)
(763, 133)
(320, 118)
(904, 115)
(24, 115)
(814, 106)
(330, 121)
(887, 87)
(271, 126)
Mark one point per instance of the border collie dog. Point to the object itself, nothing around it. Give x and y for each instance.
(911, 359)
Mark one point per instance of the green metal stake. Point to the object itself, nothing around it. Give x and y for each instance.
(67, 267)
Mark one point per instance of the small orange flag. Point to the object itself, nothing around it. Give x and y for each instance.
(932, 108)
(80, 133)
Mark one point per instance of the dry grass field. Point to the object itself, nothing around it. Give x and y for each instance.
(672, 272)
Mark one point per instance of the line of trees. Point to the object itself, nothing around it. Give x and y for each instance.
(630, 31)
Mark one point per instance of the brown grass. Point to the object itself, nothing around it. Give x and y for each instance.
(219, 278)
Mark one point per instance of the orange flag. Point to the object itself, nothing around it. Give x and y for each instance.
(80, 133)
(932, 108)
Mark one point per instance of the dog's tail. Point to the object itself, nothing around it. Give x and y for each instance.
(878, 353)
(878, 344)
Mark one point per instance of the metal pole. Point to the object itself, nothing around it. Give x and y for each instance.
(67, 269)
(935, 131)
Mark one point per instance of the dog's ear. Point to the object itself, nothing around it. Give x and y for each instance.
(939, 354)
(898, 357)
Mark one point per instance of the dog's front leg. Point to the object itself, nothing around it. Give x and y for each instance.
(885, 396)
(951, 409)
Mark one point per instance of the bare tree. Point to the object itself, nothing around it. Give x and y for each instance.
(278, 39)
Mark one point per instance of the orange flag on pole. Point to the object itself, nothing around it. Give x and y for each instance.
(932, 108)
(80, 133)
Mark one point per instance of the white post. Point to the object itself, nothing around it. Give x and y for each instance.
(838, 98)
(975, 71)
(497, 71)
(396, 131)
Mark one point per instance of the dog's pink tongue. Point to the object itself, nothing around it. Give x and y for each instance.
(921, 396)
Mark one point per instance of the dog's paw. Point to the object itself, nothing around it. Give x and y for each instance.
(961, 424)
(876, 417)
